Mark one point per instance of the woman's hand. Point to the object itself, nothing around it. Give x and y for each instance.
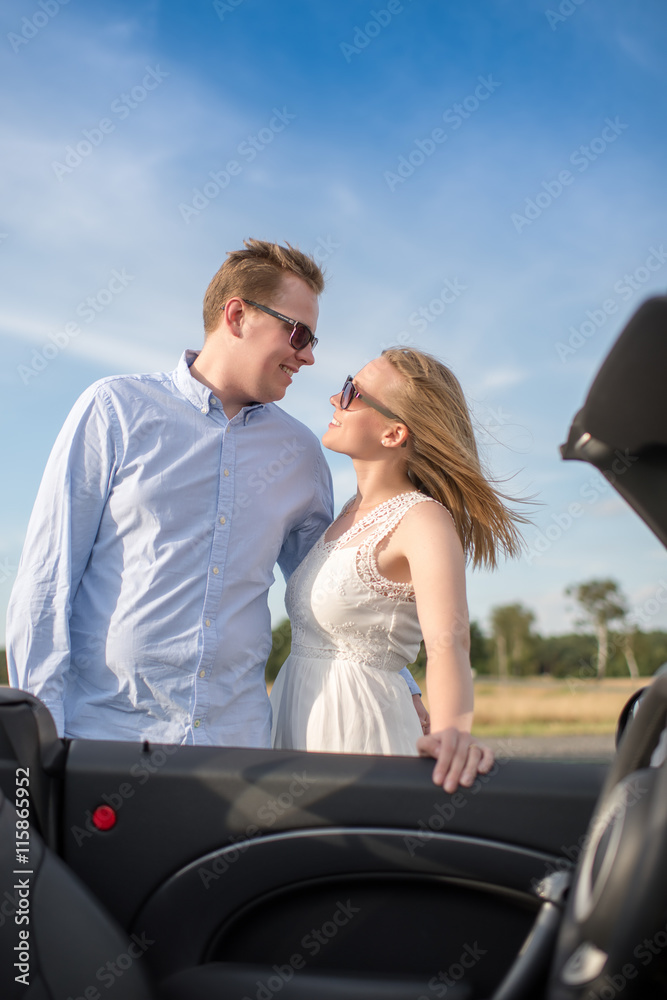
(459, 757)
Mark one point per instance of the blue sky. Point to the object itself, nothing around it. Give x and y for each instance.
(483, 181)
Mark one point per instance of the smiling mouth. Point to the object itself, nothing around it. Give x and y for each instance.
(335, 423)
(288, 371)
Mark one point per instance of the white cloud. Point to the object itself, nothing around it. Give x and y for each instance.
(500, 378)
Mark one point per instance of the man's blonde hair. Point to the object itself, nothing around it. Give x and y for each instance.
(443, 461)
(255, 273)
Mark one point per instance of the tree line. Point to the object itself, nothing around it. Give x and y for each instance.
(608, 641)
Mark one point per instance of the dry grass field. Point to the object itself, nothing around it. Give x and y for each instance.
(546, 707)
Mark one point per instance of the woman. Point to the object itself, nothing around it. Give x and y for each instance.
(390, 569)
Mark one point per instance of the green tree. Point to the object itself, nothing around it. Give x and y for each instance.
(600, 603)
(566, 655)
(651, 651)
(480, 658)
(280, 647)
(481, 651)
(511, 625)
(627, 639)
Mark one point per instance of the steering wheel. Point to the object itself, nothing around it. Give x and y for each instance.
(615, 922)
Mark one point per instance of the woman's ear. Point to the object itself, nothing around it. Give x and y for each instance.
(396, 437)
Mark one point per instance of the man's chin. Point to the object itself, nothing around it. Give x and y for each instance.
(270, 395)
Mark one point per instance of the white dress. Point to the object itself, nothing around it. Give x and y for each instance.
(352, 631)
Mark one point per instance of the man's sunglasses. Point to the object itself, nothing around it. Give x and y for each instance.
(301, 334)
(350, 392)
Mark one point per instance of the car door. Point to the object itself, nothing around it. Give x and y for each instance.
(320, 865)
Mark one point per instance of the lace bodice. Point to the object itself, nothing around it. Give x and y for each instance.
(341, 606)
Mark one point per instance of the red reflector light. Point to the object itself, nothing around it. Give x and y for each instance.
(104, 817)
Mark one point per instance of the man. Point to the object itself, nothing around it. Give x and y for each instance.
(140, 606)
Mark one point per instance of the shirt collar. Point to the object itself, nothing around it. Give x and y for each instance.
(199, 394)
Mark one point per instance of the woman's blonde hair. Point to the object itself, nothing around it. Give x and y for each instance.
(443, 461)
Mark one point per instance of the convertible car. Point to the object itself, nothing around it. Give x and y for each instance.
(139, 871)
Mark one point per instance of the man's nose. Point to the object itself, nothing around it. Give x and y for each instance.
(305, 355)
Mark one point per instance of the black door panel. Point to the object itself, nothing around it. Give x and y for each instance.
(313, 874)
(357, 901)
(175, 805)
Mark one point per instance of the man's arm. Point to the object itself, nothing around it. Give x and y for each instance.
(60, 537)
(411, 682)
(301, 539)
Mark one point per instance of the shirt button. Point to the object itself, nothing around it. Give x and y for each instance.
(208, 623)
(226, 472)
(216, 570)
(204, 409)
(197, 723)
(202, 673)
(223, 520)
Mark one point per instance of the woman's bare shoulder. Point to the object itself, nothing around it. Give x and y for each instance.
(430, 522)
(429, 512)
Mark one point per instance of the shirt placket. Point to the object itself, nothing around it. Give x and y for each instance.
(210, 622)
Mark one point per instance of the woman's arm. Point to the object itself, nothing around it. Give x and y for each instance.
(429, 541)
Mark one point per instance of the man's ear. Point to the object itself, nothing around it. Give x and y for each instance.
(233, 314)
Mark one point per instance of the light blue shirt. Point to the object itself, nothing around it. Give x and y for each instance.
(140, 606)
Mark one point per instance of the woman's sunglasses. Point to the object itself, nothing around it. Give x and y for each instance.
(301, 334)
(350, 392)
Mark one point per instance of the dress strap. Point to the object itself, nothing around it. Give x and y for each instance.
(367, 566)
(391, 510)
(393, 513)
